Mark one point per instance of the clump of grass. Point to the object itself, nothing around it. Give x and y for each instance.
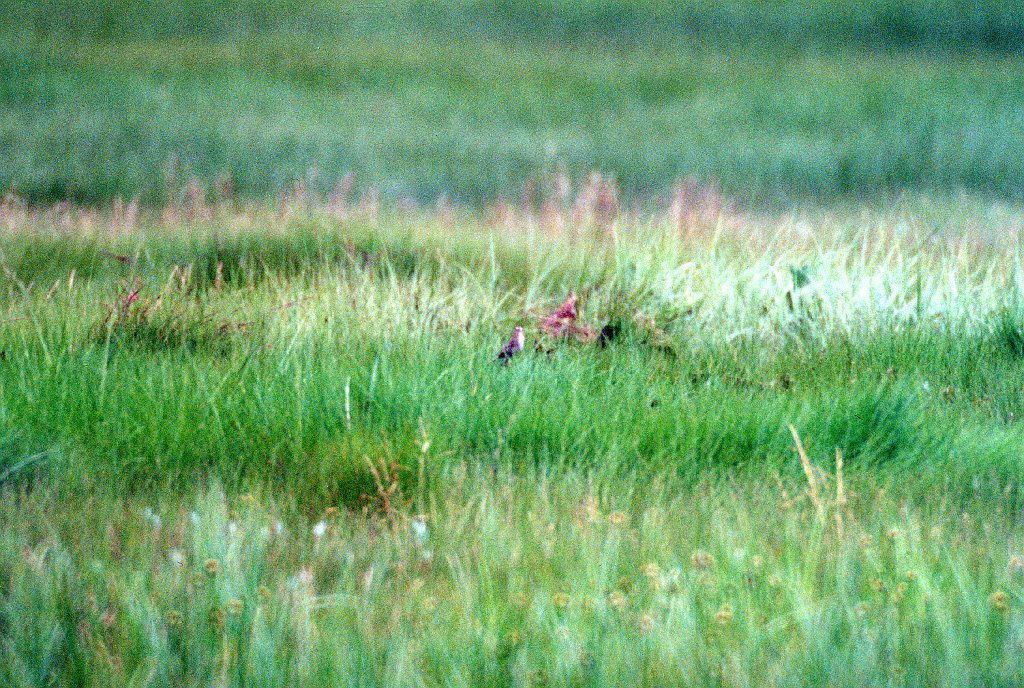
(508, 578)
(1007, 333)
(171, 321)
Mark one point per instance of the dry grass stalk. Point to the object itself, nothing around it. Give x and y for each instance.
(840, 494)
(812, 481)
(124, 217)
(338, 202)
(597, 204)
(817, 488)
(196, 207)
(386, 484)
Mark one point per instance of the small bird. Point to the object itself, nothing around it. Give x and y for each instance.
(513, 347)
(568, 309)
(116, 256)
(608, 334)
(562, 321)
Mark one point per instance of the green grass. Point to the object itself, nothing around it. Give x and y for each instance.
(943, 24)
(252, 428)
(136, 106)
(543, 578)
(286, 354)
(636, 513)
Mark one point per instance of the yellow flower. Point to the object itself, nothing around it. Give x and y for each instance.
(617, 599)
(651, 570)
(560, 599)
(898, 592)
(212, 567)
(724, 615)
(617, 518)
(1000, 601)
(263, 592)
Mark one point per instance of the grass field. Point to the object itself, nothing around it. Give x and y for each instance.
(799, 101)
(929, 24)
(295, 460)
(258, 258)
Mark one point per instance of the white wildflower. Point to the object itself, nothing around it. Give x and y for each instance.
(152, 517)
(176, 557)
(419, 529)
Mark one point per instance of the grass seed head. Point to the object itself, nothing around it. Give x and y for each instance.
(217, 618)
(1000, 601)
(702, 561)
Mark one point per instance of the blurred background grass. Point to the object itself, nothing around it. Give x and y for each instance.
(776, 101)
(942, 24)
